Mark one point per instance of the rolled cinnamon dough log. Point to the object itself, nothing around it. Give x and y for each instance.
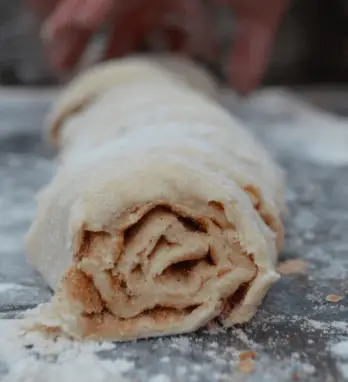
(164, 213)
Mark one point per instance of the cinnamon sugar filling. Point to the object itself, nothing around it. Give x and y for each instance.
(164, 261)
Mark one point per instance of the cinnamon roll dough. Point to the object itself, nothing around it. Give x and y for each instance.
(164, 213)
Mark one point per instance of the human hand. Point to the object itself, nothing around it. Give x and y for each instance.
(71, 23)
(257, 23)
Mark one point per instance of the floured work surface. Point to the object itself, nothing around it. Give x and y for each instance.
(300, 332)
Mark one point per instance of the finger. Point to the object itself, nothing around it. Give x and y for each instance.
(256, 29)
(78, 14)
(124, 39)
(176, 39)
(42, 7)
(68, 30)
(64, 52)
(249, 55)
(197, 31)
(92, 13)
(260, 9)
(131, 26)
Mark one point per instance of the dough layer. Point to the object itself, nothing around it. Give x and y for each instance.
(164, 214)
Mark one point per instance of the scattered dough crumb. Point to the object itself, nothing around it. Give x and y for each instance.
(294, 376)
(293, 266)
(250, 354)
(333, 298)
(246, 366)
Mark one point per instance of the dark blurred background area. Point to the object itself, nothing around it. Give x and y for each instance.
(311, 46)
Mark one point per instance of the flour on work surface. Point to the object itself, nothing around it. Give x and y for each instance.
(323, 146)
(160, 378)
(294, 127)
(326, 327)
(340, 351)
(34, 357)
(180, 342)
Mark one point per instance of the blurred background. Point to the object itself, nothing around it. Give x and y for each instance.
(311, 46)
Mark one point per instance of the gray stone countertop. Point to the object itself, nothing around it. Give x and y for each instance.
(297, 334)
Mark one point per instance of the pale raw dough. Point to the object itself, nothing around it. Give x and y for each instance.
(164, 214)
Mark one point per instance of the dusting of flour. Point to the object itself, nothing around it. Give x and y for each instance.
(34, 357)
(340, 351)
(294, 126)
